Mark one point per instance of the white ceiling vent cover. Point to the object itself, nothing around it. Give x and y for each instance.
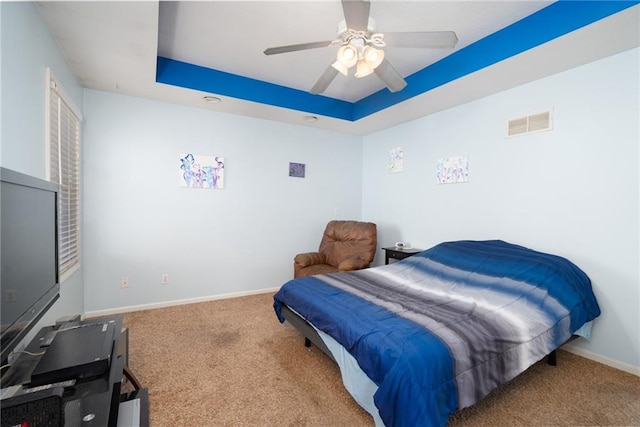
(533, 123)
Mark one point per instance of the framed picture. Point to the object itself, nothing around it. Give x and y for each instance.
(396, 160)
(451, 170)
(296, 170)
(200, 171)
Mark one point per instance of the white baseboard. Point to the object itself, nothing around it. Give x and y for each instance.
(635, 370)
(128, 309)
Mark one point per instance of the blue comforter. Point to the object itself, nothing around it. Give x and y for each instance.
(438, 331)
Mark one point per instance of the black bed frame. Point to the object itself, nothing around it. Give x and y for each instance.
(311, 335)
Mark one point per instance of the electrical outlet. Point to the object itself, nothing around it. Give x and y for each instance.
(165, 279)
(124, 282)
(10, 295)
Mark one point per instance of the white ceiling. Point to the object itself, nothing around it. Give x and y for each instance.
(113, 46)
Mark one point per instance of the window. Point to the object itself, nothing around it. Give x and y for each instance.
(63, 150)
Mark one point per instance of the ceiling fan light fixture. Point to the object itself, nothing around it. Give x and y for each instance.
(347, 56)
(363, 69)
(341, 68)
(373, 56)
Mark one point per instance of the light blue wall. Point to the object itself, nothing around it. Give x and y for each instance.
(140, 224)
(572, 191)
(26, 50)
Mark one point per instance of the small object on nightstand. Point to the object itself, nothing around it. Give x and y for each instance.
(399, 253)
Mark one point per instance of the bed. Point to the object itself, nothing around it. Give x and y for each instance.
(421, 338)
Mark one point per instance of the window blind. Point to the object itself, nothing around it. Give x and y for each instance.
(64, 169)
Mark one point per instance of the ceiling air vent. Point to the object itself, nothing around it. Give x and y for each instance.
(533, 123)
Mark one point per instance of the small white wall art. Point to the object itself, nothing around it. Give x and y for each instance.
(450, 170)
(296, 170)
(199, 171)
(396, 160)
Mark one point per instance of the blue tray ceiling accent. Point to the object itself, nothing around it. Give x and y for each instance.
(555, 20)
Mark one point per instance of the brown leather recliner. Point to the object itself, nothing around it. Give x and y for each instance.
(345, 246)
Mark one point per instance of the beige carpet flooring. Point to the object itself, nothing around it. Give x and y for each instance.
(231, 363)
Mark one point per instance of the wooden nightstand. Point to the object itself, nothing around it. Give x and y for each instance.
(399, 253)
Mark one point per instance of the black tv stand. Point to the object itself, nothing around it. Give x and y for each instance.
(87, 398)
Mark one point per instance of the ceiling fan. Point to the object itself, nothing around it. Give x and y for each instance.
(361, 47)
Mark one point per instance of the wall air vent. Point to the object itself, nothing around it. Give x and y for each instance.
(533, 123)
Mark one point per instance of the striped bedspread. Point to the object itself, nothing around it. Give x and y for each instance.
(438, 331)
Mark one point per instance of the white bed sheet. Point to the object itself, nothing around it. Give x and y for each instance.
(357, 383)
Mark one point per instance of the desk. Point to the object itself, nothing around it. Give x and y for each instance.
(399, 253)
(83, 402)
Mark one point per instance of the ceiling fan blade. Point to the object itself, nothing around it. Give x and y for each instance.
(356, 14)
(324, 81)
(421, 39)
(390, 76)
(296, 47)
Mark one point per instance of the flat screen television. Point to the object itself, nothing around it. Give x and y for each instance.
(29, 275)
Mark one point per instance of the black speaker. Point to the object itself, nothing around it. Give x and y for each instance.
(43, 408)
